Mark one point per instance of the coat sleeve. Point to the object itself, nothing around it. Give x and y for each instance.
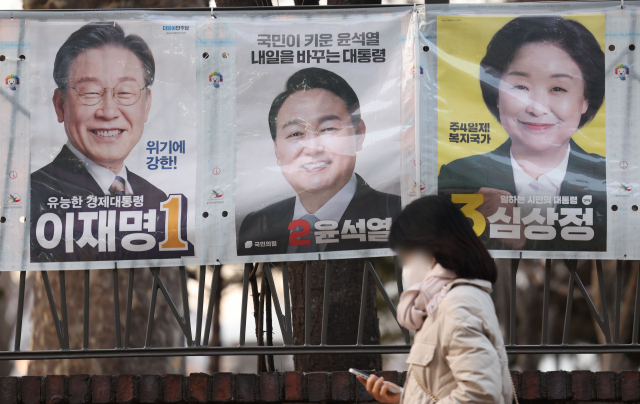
(473, 361)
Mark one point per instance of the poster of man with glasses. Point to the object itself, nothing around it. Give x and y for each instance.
(113, 145)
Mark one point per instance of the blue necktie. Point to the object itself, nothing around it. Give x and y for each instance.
(118, 188)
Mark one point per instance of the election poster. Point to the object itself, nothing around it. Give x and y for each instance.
(319, 124)
(521, 128)
(113, 142)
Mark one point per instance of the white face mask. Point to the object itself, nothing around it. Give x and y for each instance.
(416, 267)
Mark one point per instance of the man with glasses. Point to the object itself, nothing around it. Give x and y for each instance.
(103, 99)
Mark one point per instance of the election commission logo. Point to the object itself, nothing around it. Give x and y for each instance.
(216, 194)
(216, 79)
(625, 188)
(14, 199)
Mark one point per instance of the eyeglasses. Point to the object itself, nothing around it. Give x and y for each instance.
(125, 93)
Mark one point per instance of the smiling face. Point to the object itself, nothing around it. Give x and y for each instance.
(316, 142)
(106, 132)
(12, 82)
(541, 98)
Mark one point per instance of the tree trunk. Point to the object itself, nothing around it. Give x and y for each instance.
(344, 311)
(7, 321)
(166, 331)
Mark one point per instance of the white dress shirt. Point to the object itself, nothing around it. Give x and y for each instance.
(103, 176)
(547, 184)
(333, 209)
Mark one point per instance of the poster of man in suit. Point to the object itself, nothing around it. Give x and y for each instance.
(521, 129)
(113, 145)
(318, 161)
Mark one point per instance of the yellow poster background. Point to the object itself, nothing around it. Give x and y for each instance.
(462, 43)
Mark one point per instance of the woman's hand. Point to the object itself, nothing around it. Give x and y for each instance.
(378, 388)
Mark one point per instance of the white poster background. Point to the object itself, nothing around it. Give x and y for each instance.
(259, 180)
(173, 114)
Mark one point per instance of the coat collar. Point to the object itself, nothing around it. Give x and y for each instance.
(479, 283)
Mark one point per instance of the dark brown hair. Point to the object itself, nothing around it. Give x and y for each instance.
(434, 224)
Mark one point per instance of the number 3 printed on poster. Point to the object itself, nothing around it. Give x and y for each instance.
(472, 201)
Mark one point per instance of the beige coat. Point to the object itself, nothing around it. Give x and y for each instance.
(459, 354)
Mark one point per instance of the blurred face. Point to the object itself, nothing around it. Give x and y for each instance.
(541, 98)
(416, 265)
(107, 131)
(316, 142)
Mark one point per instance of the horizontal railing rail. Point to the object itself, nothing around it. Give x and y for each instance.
(197, 343)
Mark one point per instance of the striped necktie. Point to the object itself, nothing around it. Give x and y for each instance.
(118, 188)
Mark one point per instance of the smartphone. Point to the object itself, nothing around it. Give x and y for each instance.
(366, 377)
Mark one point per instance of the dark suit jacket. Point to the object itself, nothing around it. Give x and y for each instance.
(272, 223)
(586, 175)
(67, 177)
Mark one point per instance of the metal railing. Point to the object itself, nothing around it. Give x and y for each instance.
(198, 345)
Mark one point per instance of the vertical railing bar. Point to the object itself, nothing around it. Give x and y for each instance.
(286, 333)
(604, 319)
(385, 295)
(85, 311)
(174, 309)
(287, 299)
(616, 329)
(363, 299)
(64, 326)
(515, 262)
(185, 305)
(325, 303)
(245, 297)
(52, 306)
(567, 315)
(116, 306)
(307, 303)
(127, 324)
(152, 311)
(19, 313)
(636, 313)
(212, 299)
(398, 268)
(201, 279)
(545, 301)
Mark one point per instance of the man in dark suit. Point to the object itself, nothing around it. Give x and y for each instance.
(103, 98)
(317, 131)
(585, 176)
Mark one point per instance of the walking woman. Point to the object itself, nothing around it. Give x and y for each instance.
(458, 353)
